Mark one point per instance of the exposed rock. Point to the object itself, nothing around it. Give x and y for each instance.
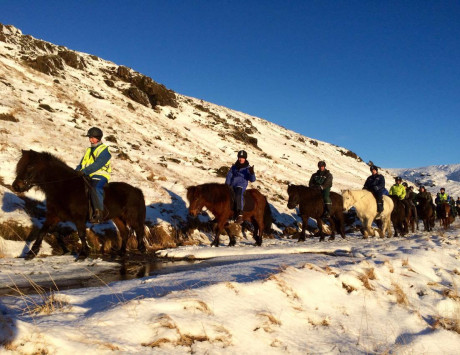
(46, 107)
(73, 59)
(137, 95)
(6, 31)
(48, 64)
(124, 73)
(109, 83)
(96, 94)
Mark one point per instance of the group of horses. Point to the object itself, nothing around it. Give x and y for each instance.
(67, 199)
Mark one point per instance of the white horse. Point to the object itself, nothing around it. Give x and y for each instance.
(366, 209)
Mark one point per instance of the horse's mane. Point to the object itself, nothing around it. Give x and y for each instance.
(214, 192)
(50, 159)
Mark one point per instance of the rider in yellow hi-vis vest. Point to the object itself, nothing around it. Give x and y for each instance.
(96, 163)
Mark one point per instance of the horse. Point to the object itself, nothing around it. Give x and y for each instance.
(67, 200)
(218, 198)
(445, 216)
(366, 210)
(311, 204)
(426, 212)
(399, 216)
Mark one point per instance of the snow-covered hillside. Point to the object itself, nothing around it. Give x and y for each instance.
(350, 295)
(434, 177)
(160, 149)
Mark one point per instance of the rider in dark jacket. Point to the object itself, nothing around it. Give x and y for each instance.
(376, 184)
(238, 176)
(322, 179)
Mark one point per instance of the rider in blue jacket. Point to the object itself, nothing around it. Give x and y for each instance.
(237, 178)
(376, 184)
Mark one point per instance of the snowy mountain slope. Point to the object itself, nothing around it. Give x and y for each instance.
(159, 147)
(434, 177)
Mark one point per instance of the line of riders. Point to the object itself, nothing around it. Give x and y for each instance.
(96, 164)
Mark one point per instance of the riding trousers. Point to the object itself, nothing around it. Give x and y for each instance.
(239, 194)
(97, 192)
(326, 196)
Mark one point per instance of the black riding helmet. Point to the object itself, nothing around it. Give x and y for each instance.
(373, 167)
(398, 178)
(94, 132)
(321, 163)
(242, 154)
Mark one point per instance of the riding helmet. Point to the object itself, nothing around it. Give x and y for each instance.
(321, 163)
(404, 184)
(94, 132)
(373, 167)
(398, 178)
(242, 154)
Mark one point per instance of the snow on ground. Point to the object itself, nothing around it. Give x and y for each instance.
(348, 296)
(343, 296)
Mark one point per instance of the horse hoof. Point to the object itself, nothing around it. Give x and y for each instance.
(30, 255)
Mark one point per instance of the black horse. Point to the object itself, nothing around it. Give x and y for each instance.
(311, 204)
(67, 200)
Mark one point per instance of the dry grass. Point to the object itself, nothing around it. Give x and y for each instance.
(452, 324)
(349, 288)
(45, 304)
(365, 280)
(397, 291)
(390, 267)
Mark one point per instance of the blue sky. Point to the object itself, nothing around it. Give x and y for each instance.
(381, 78)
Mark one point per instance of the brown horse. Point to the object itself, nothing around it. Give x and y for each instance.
(445, 215)
(67, 200)
(218, 198)
(426, 213)
(311, 204)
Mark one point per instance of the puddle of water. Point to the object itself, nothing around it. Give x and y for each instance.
(126, 270)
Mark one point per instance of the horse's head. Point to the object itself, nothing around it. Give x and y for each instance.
(195, 199)
(348, 200)
(293, 196)
(26, 171)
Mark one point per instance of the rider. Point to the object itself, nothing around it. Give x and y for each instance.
(376, 185)
(424, 195)
(237, 178)
(322, 179)
(398, 189)
(96, 163)
(441, 197)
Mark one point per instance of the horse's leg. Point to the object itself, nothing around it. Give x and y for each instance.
(121, 226)
(219, 228)
(258, 230)
(387, 225)
(304, 229)
(333, 228)
(84, 250)
(319, 222)
(140, 233)
(231, 236)
(50, 221)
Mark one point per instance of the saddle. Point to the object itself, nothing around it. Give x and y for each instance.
(249, 203)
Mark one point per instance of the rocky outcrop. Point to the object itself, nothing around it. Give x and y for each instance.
(157, 94)
(72, 59)
(48, 64)
(137, 95)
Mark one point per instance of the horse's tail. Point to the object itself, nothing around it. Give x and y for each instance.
(268, 219)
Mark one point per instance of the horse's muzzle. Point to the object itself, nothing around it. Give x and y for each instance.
(291, 205)
(20, 185)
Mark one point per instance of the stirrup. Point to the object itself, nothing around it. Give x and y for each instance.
(239, 219)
